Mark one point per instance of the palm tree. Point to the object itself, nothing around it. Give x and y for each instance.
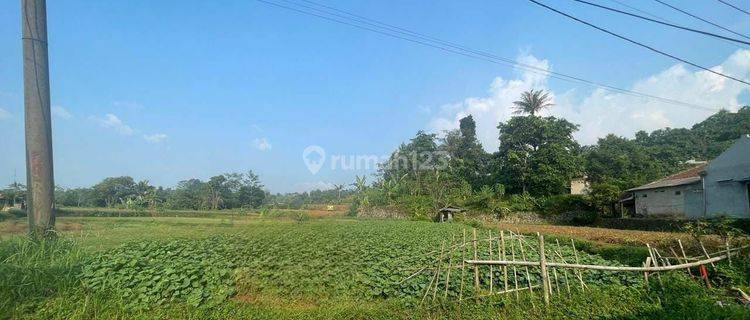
(533, 101)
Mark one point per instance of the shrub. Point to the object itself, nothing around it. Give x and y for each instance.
(18, 213)
(523, 202)
(353, 208)
(420, 206)
(565, 203)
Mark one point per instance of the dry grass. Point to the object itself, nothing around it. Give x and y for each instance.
(617, 236)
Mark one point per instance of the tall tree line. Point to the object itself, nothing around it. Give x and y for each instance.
(538, 157)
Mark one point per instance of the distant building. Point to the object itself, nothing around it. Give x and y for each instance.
(579, 186)
(719, 187)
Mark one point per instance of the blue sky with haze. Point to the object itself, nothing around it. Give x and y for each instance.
(171, 90)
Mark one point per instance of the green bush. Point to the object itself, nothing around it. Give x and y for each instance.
(584, 218)
(420, 206)
(353, 208)
(523, 202)
(565, 203)
(17, 213)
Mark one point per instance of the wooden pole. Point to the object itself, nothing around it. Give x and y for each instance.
(645, 273)
(501, 251)
(597, 267)
(463, 268)
(515, 272)
(450, 266)
(440, 263)
(580, 273)
(654, 261)
(729, 253)
(706, 253)
(543, 266)
(565, 272)
(528, 274)
(684, 256)
(489, 239)
(476, 268)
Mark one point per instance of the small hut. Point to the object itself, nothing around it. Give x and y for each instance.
(446, 213)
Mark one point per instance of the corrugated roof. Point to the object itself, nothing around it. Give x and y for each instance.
(684, 177)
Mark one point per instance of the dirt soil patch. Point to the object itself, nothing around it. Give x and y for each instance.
(611, 236)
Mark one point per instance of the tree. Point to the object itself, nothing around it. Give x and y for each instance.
(621, 162)
(188, 195)
(420, 155)
(532, 102)
(113, 190)
(467, 157)
(250, 192)
(538, 155)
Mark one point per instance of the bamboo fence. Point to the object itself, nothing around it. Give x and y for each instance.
(555, 274)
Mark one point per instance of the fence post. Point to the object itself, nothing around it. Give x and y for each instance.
(476, 267)
(501, 251)
(729, 253)
(489, 233)
(543, 265)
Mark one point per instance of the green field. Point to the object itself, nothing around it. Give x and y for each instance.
(263, 268)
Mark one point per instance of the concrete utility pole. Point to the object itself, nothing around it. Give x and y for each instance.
(38, 123)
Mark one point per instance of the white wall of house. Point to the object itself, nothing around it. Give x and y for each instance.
(726, 192)
(579, 186)
(668, 201)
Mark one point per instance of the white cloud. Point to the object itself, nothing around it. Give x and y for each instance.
(602, 112)
(4, 114)
(313, 185)
(61, 112)
(111, 121)
(155, 138)
(262, 144)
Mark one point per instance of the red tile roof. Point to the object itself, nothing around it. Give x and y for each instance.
(684, 177)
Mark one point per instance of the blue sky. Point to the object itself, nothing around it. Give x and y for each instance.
(171, 90)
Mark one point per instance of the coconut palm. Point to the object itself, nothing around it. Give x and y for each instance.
(533, 101)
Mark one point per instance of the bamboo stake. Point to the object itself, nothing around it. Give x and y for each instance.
(543, 266)
(450, 266)
(645, 273)
(706, 253)
(729, 254)
(655, 262)
(476, 268)
(515, 273)
(597, 267)
(489, 233)
(580, 272)
(427, 290)
(440, 262)
(664, 261)
(463, 269)
(501, 252)
(684, 256)
(523, 256)
(565, 272)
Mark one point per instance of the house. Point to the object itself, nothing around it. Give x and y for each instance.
(719, 187)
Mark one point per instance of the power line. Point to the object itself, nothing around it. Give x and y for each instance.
(639, 43)
(701, 19)
(662, 23)
(446, 46)
(662, 18)
(735, 7)
(641, 11)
